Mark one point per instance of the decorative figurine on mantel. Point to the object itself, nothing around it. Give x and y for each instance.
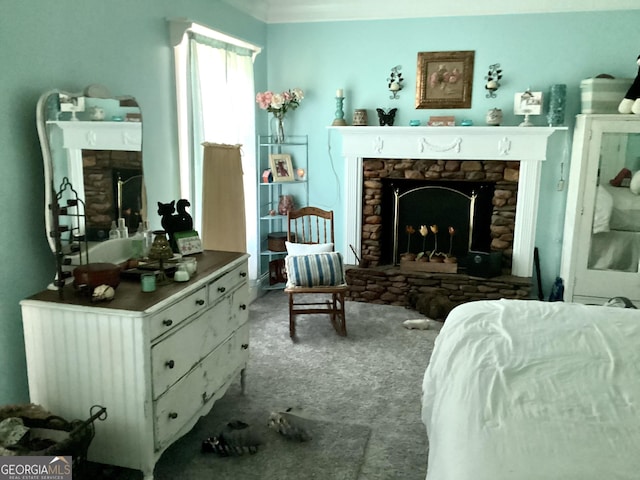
(386, 118)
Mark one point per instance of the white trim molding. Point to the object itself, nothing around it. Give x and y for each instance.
(528, 145)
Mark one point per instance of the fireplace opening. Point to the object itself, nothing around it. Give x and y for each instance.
(461, 211)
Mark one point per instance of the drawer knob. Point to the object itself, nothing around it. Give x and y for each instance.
(199, 302)
(173, 415)
(243, 306)
(245, 346)
(221, 289)
(168, 322)
(243, 274)
(170, 364)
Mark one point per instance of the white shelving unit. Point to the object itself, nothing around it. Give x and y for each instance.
(269, 193)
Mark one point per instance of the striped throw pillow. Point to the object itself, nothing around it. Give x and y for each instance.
(314, 270)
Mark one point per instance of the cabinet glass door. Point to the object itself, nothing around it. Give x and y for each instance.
(612, 211)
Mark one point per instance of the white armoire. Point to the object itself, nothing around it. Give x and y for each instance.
(601, 246)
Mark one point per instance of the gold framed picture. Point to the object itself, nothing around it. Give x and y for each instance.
(281, 167)
(444, 79)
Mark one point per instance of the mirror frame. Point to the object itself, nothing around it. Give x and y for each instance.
(44, 131)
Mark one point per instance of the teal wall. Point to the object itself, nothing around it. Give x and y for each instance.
(535, 51)
(124, 45)
(69, 44)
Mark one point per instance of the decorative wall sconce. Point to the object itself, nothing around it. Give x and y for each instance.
(394, 81)
(493, 80)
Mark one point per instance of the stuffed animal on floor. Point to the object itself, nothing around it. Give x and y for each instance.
(631, 101)
(289, 425)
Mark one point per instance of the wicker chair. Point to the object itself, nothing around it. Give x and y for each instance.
(314, 226)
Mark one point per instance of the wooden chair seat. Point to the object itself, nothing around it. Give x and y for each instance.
(311, 225)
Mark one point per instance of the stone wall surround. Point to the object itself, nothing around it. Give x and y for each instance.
(98, 167)
(434, 147)
(504, 174)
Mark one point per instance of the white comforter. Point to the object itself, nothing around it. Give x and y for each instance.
(520, 389)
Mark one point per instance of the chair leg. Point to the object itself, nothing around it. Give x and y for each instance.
(337, 314)
(292, 318)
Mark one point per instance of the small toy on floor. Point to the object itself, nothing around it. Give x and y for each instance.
(236, 439)
(289, 425)
(417, 324)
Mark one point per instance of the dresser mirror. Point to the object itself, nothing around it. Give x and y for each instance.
(92, 149)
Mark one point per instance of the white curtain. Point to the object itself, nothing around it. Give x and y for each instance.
(222, 110)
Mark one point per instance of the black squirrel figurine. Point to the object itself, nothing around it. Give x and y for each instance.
(173, 223)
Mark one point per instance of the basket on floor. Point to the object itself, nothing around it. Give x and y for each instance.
(51, 435)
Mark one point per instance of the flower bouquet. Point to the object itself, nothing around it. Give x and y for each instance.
(279, 104)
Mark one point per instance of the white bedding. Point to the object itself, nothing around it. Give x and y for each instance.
(528, 390)
(617, 208)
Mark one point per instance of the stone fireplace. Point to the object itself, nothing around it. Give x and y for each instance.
(380, 175)
(508, 157)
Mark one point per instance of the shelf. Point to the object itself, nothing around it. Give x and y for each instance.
(295, 146)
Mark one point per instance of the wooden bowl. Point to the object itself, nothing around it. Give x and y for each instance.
(93, 274)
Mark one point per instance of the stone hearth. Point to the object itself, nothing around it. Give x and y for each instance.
(392, 286)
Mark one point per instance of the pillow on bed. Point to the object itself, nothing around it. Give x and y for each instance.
(634, 186)
(307, 248)
(317, 269)
(604, 207)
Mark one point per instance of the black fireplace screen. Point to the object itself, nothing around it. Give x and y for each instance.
(460, 212)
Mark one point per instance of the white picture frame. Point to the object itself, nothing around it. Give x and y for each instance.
(527, 103)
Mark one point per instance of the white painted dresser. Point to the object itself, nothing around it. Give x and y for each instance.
(157, 361)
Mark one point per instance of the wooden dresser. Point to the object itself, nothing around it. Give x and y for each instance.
(157, 361)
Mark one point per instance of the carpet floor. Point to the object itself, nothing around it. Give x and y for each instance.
(361, 393)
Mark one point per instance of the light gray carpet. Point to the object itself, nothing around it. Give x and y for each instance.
(363, 391)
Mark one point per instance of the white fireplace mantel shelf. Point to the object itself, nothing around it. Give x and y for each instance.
(528, 145)
(446, 143)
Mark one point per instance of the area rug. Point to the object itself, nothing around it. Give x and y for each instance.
(335, 450)
(362, 392)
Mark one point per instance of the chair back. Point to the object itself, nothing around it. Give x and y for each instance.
(310, 225)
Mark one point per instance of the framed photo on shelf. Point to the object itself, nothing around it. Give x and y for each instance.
(281, 167)
(527, 103)
(444, 79)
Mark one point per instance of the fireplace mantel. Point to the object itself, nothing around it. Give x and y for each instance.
(528, 145)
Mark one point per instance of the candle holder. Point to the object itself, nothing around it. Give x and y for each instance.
(339, 120)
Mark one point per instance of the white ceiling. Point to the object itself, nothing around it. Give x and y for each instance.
(289, 11)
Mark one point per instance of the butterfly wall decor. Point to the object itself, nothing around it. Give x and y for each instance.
(386, 118)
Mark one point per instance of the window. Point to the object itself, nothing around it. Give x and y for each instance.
(215, 94)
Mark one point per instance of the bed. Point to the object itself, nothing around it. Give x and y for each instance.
(528, 390)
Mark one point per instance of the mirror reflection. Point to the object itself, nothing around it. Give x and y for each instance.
(615, 233)
(94, 140)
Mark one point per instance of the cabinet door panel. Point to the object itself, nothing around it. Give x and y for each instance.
(609, 253)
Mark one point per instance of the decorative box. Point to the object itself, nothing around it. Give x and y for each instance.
(603, 95)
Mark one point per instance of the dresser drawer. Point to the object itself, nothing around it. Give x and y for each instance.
(171, 316)
(175, 355)
(185, 399)
(227, 282)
